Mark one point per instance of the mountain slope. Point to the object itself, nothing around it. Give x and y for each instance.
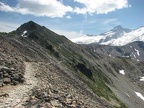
(68, 75)
(118, 36)
(133, 51)
(52, 56)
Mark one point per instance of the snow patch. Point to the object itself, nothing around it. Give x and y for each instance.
(139, 95)
(24, 34)
(142, 79)
(109, 55)
(137, 59)
(134, 55)
(126, 56)
(109, 34)
(127, 94)
(130, 46)
(137, 52)
(122, 72)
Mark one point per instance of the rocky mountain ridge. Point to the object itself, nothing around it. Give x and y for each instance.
(58, 73)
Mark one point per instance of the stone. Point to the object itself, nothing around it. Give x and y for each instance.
(32, 97)
(54, 103)
(44, 94)
(20, 75)
(5, 69)
(15, 82)
(16, 77)
(48, 105)
(69, 96)
(12, 69)
(2, 68)
(49, 91)
(4, 95)
(55, 91)
(60, 99)
(7, 80)
(74, 102)
(1, 74)
(1, 82)
(21, 80)
(69, 101)
(6, 75)
(17, 100)
(33, 101)
(47, 99)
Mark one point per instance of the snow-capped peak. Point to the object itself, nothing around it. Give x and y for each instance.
(117, 27)
(135, 35)
(117, 36)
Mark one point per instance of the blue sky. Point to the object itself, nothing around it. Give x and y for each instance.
(72, 18)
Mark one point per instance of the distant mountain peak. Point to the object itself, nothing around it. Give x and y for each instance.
(29, 29)
(29, 26)
(118, 27)
(117, 36)
(31, 22)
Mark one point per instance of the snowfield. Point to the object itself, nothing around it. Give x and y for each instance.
(137, 52)
(139, 95)
(87, 39)
(142, 79)
(122, 72)
(24, 34)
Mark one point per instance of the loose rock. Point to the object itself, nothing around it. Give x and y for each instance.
(7, 80)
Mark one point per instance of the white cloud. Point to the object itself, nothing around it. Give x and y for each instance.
(5, 8)
(68, 17)
(56, 8)
(100, 6)
(130, 6)
(69, 34)
(107, 21)
(7, 26)
(61, 1)
(50, 8)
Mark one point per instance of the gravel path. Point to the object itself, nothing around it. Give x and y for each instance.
(18, 94)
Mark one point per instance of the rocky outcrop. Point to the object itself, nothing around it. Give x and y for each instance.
(10, 76)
